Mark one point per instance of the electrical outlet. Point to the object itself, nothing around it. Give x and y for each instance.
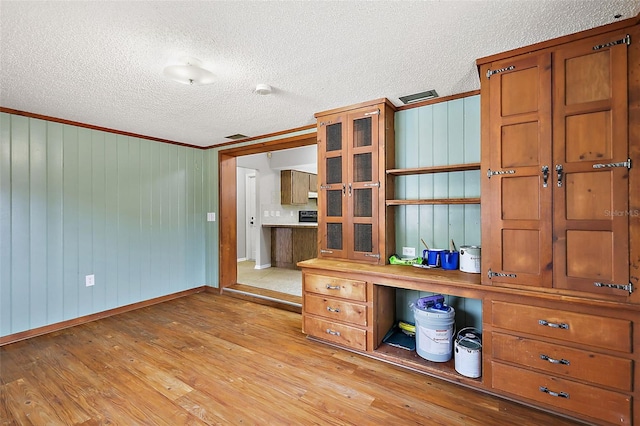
(211, 217)
(89, 280)
(409, 251)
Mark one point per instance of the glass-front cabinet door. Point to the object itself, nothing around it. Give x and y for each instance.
(348, 196)
(363, 185)
(332, 200)
(353, 155)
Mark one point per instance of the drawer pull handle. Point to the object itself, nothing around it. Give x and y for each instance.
(333, 287)
(552, 393)
(554, 361)
(336, 310)
(554, 325)
(333, 333)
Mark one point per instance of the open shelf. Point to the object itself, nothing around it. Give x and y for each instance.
(434, 169)
(413, 361)
(434, 201)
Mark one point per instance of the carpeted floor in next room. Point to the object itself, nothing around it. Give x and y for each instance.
(282, 280)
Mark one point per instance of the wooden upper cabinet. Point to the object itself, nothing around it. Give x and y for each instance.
(556, 157)
(294, 187)
(352, 160)
(520, 149)
(591, 194)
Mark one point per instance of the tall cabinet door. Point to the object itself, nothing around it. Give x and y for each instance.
(363, 184)
(591, 239)
(332, 193)
(519, 171)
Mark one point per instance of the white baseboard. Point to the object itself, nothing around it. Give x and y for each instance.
(242, 259)
(265, 266)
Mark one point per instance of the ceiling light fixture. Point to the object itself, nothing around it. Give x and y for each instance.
(189, 71)
(263, 89)
(418, 97)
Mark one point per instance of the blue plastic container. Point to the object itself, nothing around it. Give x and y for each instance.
(449, 259)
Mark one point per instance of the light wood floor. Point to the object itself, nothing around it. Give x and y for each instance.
(213, 359)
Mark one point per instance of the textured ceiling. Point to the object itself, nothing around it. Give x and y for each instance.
(100, 62)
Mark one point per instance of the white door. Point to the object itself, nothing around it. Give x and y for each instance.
(251, 228)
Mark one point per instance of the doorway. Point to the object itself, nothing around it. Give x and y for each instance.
(228, 243)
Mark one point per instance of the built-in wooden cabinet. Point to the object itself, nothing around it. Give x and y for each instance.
(560, 205)
(355, 147)
(556, 165)
(294, 187)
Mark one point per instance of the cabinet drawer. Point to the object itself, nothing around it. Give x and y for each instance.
(608, 333)
(335, 309)
(336, 287)
(598, 403)
(601, 369)
(338, 333)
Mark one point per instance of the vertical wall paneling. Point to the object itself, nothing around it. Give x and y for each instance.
(70, 180)
(146, 230)
(55, 234)
(124, 219)
(76, 202)
(211, 192)
(99, 207)
(85, 221)
(38, 220)
(439, 134)
(20, 272)
(5, 222)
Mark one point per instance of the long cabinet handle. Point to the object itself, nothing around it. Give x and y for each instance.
(552, 393)
(332, 332)
(333, 287)
(545, 176)
(553, 324)
(554, 361)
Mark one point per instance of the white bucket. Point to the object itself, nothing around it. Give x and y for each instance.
(468, 353)
(470, 259)
(434, 333)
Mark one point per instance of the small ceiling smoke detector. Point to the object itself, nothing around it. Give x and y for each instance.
(418, 97)
(263, 89)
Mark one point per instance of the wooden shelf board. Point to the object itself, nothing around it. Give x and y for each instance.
(411, 359)
(434, 169)
(434, 201)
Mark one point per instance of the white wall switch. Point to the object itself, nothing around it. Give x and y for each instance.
(266, 213)
(409, 251)
(89, 280)
(278, 213)
(211, 217)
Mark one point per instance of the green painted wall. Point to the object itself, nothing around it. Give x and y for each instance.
(439, 134)
(74, 202)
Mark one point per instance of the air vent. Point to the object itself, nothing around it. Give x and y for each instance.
(418, 97)
(237, 136)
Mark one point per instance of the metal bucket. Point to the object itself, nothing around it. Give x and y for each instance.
(470, 259)
(468, 353)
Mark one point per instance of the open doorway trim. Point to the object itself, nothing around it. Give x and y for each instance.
(228, 244)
